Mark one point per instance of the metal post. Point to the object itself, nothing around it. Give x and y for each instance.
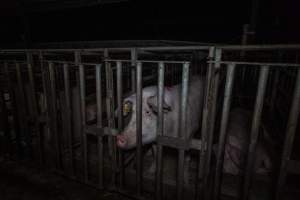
(160, 130)
(120, 116)
(35, 108)
(99, 125)
(68, 118)
(205, 121)
(134, 58)
(22, 110)
(83, 123)
(182, 132)
(14, 109)
(139, 97)
(263, 78)
(289, 138)
(223, 130)
(53, 113)
(211, 126)
(110, 118)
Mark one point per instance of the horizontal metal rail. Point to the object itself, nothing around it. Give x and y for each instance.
(166, 48)
(257, 63)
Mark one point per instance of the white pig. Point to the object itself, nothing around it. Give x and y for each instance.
(171, 109)
(237, 141)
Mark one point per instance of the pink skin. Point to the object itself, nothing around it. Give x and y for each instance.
(171, 106)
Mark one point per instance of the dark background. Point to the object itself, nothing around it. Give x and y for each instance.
(277, 21)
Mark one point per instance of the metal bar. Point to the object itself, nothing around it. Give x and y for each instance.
(223, 130)
(53, 113)
(160, 131)
(211, 126)
(289, 138)
(204, 128)
(148, 61)
(83, 123)
(110, 117)
(6, 129)
(14, 106)
(120, 117)
(35, 108)
(68, 118)
(263, 78)
(139, 96)
(257, 63)
(182, 132)
(134, 58)
(99, 125)
(22, 111)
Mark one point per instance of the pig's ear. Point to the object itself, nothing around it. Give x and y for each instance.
(152, 103)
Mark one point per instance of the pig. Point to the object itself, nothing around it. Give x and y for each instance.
(236, 145)
(171, 108)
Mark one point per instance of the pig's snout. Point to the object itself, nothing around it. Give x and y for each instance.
(121, 141)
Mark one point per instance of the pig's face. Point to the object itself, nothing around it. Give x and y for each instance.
(127, 139)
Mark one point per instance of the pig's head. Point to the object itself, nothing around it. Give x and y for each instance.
(127, 139)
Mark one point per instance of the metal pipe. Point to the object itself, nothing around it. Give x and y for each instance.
(134, 58)
(160, 130)
(120, 117)
(263, 78)
(110, 117)
(99, 125)
(35, 108)
(139, 96)
(182, 133)
(83, 123)
(204, 128)
(23, 111)
(258, 63)
(53, 114)
(223, 130)
(68, 116)
(211, 125)
(289, 137)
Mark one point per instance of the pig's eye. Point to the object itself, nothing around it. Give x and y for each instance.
(127, 108)
(148, 112)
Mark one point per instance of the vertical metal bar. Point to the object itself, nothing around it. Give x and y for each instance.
(139, 127)
(205, 121)
(68, 114)
(14, 109)
(160, 130)
(83, 123)
(120, 116)
(134, 58)
(289, 138)
(7, 143)
(182, 132)
(22, 111)
(99, 124)
(211, 126)
(263, 78)
(53, 113)
(223, 129)
(35, 108)
(110, 118)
